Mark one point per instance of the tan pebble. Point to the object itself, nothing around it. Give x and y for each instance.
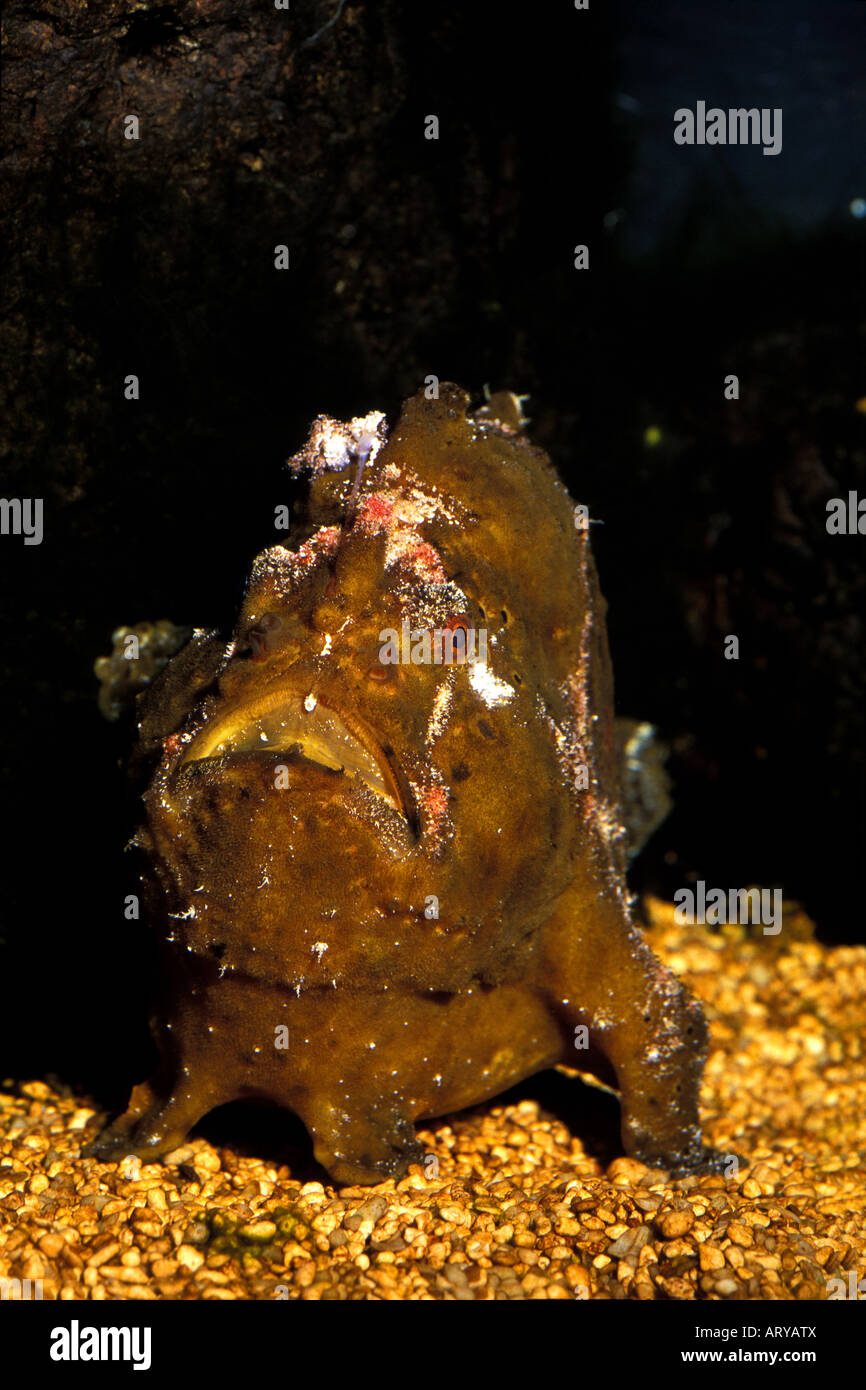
(80, 1119)
(32, 1268)
(37, 1090)
(479, 1245)
(156, 1199)
(647, 1201)
(52, 1244)
(751, 1188)
(38, 1183)
(533, 1282)
(592, 1223)
(675, 1223)
(710, 1256)
(606, 1215)
(627, 1171)
(163, 1269)
(130, 1258)
(726, 1287)
(648, 1256)
(677, 1288)
(178, 1156)
(672, 1249)
(630, 1243)
(751, 1217)
(765, 1175)
(577, 1276)
(556, 1252)
(207, 1161)
(456, 1216)
(567, 1226)
(312, 1191)
(106, 1253)
(189, 1257)
(768, 1262)
(740, 1235)
(117, 1204)
(148, 1228)
(123, 1275)
(259, 1230)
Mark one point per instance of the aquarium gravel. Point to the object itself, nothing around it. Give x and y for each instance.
(508, 1204)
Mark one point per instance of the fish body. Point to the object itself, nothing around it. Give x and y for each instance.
(385, 856)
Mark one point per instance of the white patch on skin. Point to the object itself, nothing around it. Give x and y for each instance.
(327, 645)
(281, 570)
(580, 736)
(490, 688)
(569, 750)
(333, 444)
(319, 949)
(441, 707)
(310, 703)
(400, 512)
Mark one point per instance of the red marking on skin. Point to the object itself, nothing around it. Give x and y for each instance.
(324, 542)
(171, 744)
(425, 561)
(374, 513)
(328, 538)
(433, 803)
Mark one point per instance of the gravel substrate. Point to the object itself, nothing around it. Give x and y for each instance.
(518, 1209)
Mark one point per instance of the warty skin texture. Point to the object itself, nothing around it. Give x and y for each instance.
(289, 893)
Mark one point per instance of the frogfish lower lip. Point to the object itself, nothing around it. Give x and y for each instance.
(284, 719)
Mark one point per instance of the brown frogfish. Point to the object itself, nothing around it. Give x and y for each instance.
(384, 852)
